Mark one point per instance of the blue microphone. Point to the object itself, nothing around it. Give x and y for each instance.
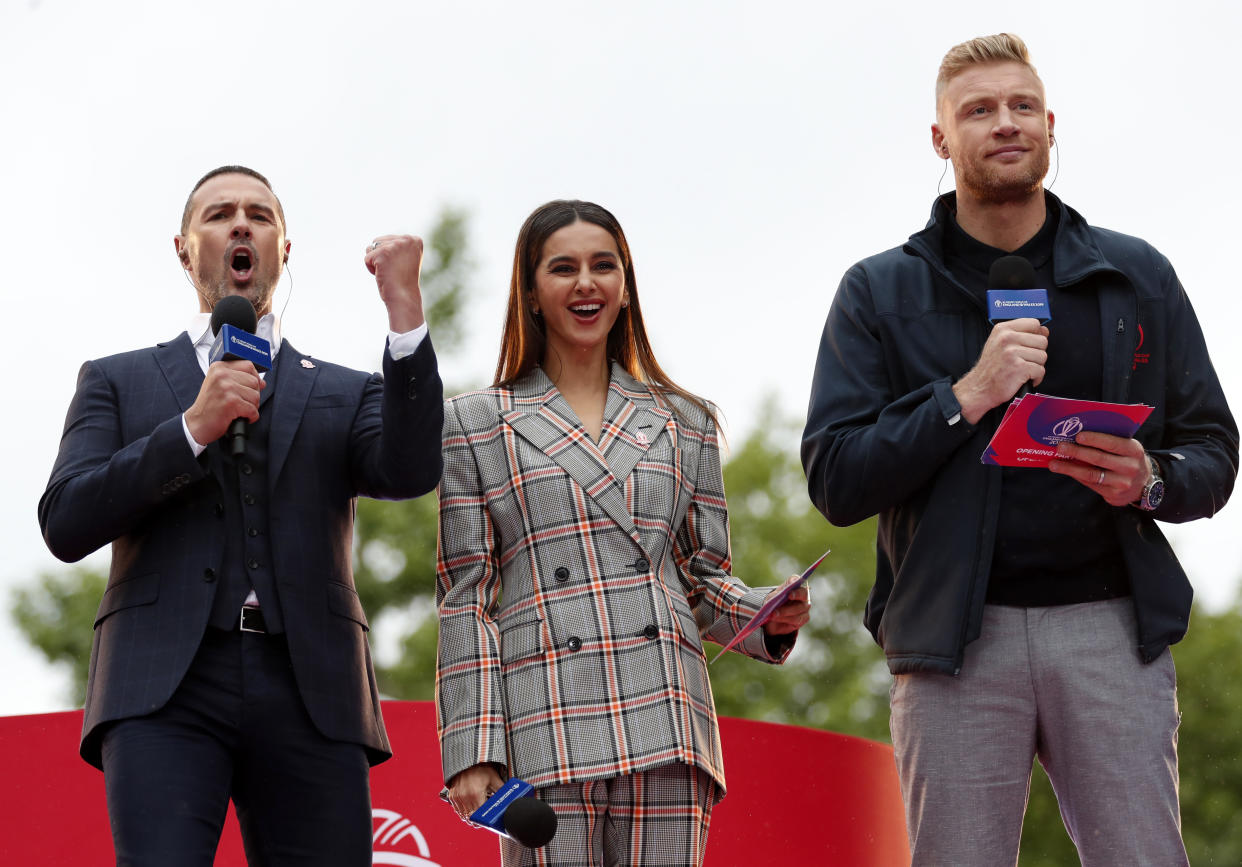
(514, 813)
(233, 322)
(1016, 296)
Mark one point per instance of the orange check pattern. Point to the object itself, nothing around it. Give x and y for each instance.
(577, 582)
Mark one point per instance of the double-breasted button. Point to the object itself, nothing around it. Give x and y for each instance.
(209, 574)
(252, 563)
(252, 532)
(574, 644)
(651, 631)
(246, 469)
(248, 499)
(218, 509)
(561, 573)
(642, 564)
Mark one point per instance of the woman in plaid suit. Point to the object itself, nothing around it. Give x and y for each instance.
(583, 559)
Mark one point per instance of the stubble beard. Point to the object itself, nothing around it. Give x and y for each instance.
(992, 187)
(258, 292)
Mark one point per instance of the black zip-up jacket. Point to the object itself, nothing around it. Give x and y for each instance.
(884, 433)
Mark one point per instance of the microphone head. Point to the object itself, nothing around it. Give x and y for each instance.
(530, 821)
(1012, 272)
(236, 311)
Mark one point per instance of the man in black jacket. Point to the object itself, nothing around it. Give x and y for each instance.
(1023, 612)
(230, 656)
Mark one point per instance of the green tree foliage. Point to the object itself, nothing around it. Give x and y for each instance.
(836, 678)
(1210, 740)
(57, 614)
(395, 542)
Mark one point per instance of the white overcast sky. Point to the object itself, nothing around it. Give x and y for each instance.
(753, 152)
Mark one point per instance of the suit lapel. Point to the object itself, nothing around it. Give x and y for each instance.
(543, 417)
(287, 408)
(180, 367)
(632, 424)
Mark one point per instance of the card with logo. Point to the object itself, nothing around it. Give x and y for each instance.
(774, 601)
(1035, 423)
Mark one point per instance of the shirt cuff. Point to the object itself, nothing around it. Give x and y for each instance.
(194, 446)
(401, 345)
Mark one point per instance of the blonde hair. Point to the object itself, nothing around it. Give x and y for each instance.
(983, 49)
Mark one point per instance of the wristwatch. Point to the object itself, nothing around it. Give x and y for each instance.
(1153, 493)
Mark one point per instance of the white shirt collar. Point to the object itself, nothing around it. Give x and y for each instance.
(269, 329)
(200, 334)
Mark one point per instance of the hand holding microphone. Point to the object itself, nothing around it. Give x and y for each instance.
(1016, 351)
(229, 397)
(510, 809)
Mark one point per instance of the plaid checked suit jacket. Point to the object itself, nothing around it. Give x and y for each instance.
(576, 583)
(125, 475)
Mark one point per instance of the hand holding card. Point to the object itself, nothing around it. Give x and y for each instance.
(774, 601)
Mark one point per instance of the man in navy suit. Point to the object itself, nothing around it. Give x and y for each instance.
(230, 657)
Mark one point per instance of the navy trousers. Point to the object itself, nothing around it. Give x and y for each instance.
(236, 729)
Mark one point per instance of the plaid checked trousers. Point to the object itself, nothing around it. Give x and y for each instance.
(655, 818)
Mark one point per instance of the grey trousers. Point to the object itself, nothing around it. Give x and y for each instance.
(1063, 683)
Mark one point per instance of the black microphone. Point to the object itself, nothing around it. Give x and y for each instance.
(1011, 272)
(530, 821)
(233, 322)
(1012, 294)
(513, 812)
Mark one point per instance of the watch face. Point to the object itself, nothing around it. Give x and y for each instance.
(1155, 493)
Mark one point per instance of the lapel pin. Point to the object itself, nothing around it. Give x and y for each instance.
(308, 364)
(641, 436)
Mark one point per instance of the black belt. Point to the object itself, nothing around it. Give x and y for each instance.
(252, 619)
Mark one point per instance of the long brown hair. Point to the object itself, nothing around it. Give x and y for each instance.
(524, 339)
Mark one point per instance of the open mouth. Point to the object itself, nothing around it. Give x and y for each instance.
(586, 310)
(241, 263)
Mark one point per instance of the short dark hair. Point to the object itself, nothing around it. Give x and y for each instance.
(228, 170)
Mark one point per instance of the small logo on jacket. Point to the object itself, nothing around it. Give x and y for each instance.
(1140, 357)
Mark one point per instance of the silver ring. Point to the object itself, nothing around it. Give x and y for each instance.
(374, 245)
(1100, 480)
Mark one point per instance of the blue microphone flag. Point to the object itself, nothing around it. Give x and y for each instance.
(234, 344)
(1006, 304)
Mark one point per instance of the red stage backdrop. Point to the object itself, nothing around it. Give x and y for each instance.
(796, 796)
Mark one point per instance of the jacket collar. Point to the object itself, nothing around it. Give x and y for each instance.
(1075, 254)
(288, 404)
(634, 419)
(179, 364)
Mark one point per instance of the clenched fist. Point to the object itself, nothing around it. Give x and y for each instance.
(396, 260)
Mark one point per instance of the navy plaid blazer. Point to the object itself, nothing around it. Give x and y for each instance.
(126, 476)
